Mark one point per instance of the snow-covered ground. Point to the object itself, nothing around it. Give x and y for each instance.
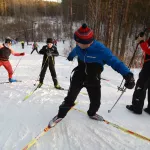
(20, 121)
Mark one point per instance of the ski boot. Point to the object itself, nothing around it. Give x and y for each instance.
(54, 121)
(12, 80)
(59, 87)
(147, 110)
(39, 85)
(133, 109)
(97, 117)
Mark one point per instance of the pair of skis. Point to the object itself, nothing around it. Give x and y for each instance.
(9, 82)
(46, 129)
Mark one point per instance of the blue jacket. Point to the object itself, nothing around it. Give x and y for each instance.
(97, 53)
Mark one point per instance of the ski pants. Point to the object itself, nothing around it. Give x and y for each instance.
(77, 83)
(51, 64)
(34, 50)
(8, 67)
(22, 45)
(142, 85)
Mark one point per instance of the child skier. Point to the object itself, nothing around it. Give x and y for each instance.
(49, 51)
(92, 55)
(5, 52)
(34, 47)
(22, 44)
(143, 82)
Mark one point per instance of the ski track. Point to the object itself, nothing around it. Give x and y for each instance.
(21, 121)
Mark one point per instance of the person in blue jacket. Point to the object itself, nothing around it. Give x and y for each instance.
(92, 56)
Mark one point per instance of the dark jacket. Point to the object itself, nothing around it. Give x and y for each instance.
(5, 53)
(49, 52)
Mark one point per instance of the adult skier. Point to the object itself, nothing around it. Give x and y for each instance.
(34, 47)
(92, 55)
(143, 82)
(5, 52)
(49, 51)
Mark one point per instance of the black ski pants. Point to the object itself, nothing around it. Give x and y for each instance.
(77, 83)
(48, 62)
(142, 85)
(34, 50)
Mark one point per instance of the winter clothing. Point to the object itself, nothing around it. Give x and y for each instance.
(130, 82)
(5, 52)
(8, 40)
(12, 80)
(22, 44)
(7, 66)
(49, 40)
(48, 60)
(143, 82)
(35, 47)
(147, 110)
(54, 121)
(87, 74)
(84, 35)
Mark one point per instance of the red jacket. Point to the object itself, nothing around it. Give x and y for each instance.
(146, 49)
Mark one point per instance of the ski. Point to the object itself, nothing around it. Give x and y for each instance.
(28, 95)
(32, 142)
(10, 82)
(119, 127)
(46, 129)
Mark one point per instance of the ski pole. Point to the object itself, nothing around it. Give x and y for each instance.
(17, 65)
(41, 70)
(116, 101)
(63, 56)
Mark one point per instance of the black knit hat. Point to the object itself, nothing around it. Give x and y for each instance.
(84, 35)
(49, 40)
(8, 40)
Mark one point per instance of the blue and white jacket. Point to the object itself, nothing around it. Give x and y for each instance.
(92, 59)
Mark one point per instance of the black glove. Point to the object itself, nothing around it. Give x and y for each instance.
(70, 58)
(130, 82)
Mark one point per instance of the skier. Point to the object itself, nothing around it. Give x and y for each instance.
(35, 47)
(55, 42)
(49, 51)
(143, 82)
(22, 44)
(5, 52)
(92, 55)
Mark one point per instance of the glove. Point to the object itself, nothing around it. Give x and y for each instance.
(141, 37)
(69, 58)
(130, 82)
(22, 54)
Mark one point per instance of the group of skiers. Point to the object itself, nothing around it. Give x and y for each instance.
(92, 56)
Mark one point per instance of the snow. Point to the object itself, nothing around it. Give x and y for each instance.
(20, 121)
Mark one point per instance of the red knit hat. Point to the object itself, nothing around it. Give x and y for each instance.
(84, 35)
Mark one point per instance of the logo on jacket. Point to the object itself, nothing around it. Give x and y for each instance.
(91, 57)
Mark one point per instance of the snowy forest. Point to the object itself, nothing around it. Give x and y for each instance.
(115, 22)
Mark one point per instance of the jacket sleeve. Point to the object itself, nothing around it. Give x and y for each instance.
(55, 53)
(42, 51)
(72, 54)
(115, 63)
(145, 47)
